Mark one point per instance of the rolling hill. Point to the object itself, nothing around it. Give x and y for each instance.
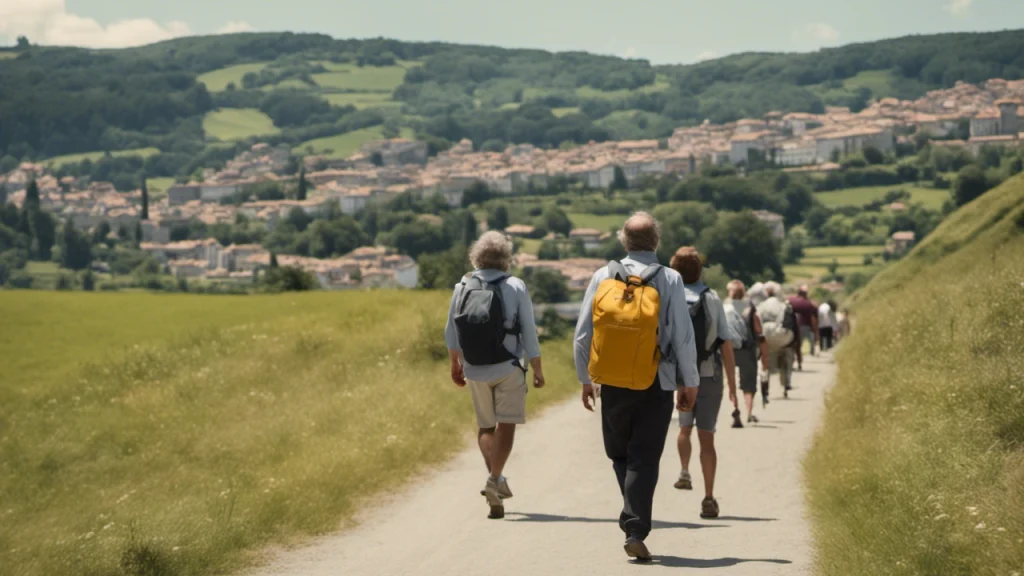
(919, 464)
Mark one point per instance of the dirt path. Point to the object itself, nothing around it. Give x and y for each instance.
(563, 518)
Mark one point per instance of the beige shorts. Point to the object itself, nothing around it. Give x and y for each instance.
(501, 401)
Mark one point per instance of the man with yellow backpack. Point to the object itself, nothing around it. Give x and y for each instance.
(634, 338)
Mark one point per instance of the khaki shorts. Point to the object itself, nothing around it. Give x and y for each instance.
(501, 401)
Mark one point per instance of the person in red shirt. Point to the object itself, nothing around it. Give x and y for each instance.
(806, 318)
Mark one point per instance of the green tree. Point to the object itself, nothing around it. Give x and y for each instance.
(288, 279)
(681, 225)
(44, 232)
(65, 281)
(546, 285)
(298, 219)
(548, 250)
(303, 185)
(377, 159)
(970, 183)
(873, 155)
(443, 270)
(793, 247)
(498, 218)
(554, 219)
(138, 234)
(100, 233)
(144, 213)
(88, 280)
(273, 260)
(32, 201)
(743, 246)
(75, 250)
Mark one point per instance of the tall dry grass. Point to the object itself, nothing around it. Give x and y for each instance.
(919, 468)
(155, 434)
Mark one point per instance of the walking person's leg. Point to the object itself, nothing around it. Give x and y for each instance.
(709, 404)
(617, 406)
(503, 403)
(650, 423)
(746, 364)
(685, 448)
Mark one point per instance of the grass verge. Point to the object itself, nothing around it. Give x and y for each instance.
(919, 467)
(176, 434)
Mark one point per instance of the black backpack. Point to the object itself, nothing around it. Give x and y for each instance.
(699, 318)
(789, 319)
(480, 323)
(750, 340)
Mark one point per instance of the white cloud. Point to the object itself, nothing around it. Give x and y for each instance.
(48, 22)
(706, 55)
(234, 27)
(822, 32)
(958, 7)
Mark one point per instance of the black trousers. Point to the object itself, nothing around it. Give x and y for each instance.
(635, 424)
(826, 338)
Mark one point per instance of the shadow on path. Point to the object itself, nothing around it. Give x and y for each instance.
(761, 426)
(778, 421)
(658, 524)
(677, 562)
(745, 519)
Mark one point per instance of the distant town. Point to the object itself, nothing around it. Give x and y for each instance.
(991, 114)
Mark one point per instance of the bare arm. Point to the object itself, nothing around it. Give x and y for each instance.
(729, 364)
(759, 335)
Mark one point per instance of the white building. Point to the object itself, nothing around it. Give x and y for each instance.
(853, 141)
(796, 153)
(741, 145)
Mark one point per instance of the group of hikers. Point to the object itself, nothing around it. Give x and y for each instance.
(650, 340)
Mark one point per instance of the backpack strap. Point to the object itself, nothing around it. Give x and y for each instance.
(617, 271)
(649, 273)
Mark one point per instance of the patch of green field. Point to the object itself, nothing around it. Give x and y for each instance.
(816, 261)
(880, 82)
(218, 80)
(344, 145)
(660, 84)
(58, 161)
(181, 433)
(362, 100)
(44, 274)
(366, 78)
(238, 124)
(157, 187)
(602, 222)
(291, 83)
(561, 112)
(509, 106)
(5, 55)
(918, 464)
(929, 197)
(529, 245)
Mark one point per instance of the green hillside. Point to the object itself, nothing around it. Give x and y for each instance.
(918, 469)
(450, 91)
(238, 124)
(171, 434)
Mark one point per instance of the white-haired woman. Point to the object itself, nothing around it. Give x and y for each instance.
(490, 331)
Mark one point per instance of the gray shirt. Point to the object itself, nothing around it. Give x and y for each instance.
(719, 324)
(675, 332)
(517, 306)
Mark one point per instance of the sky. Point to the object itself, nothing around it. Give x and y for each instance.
(662, 31)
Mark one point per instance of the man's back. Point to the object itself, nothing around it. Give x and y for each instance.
(805, 310)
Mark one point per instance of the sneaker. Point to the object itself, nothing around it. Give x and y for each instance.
(709, 508)
(752, 419)
(494, 500)
(736, 421)
(684, 482)
(503, 490)
(764, 401)
(635, 548)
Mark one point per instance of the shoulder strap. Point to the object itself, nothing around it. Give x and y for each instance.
(499, 279)
(649, 273)
(617, 271)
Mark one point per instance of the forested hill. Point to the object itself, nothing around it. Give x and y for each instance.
(200, 97)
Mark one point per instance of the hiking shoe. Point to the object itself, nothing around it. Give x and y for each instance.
(635, 548)
(709, 508)
(503, 490)
(493, 496)
(765, 401)
(684, 482)
(752, 419)
(736, 421)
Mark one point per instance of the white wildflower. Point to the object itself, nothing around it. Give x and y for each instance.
(980, 526)
(941, 517)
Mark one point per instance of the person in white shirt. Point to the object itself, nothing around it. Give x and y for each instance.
(826, 325)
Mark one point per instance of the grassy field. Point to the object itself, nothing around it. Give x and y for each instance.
(602, 222)
(816, 260)
(238, 124)
(177, 434)
(6, 55)
(218, 80)
(157, 187)
(929, 197)
(561, 112)
(344, 145)
(366, 78)
(919, 467)
(58, 161)
(363, 100)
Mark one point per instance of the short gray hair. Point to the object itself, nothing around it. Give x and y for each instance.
(772, 289)
(492, 250)
(640, 233)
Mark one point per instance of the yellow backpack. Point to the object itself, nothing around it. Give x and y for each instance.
(624, 351)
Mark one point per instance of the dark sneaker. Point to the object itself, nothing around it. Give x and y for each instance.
(684, 482)
(736, 421)
(635, 548)
(709, 508)
(764, 401)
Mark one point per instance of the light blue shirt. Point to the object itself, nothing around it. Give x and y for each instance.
(714, 311)
(516, 300)
(675, 332)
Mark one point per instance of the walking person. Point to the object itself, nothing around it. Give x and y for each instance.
(807, 319)
(780, 328)
(635, 339)
(842, 324)
(489, 332)
(826, 325)
(749, 346)
(713, 342)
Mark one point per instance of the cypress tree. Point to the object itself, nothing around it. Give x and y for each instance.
(145, 199)
(273, 260)
(32, 196)
(303, 185)
(138, 233)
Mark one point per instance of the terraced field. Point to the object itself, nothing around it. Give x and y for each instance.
(238, 124)
(218, 80)
(928, 197)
